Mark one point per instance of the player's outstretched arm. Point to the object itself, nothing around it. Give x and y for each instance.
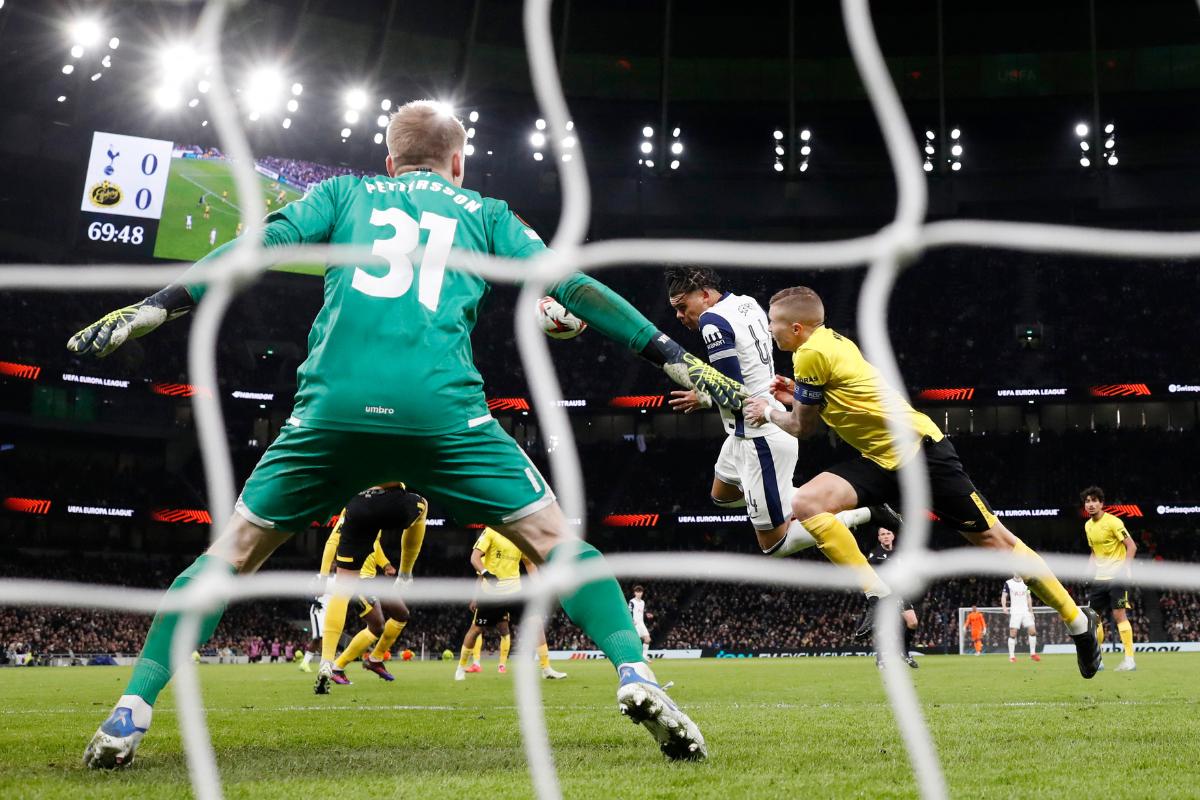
(612, 315)
(115, 328)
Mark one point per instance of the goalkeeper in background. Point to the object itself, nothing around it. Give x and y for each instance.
(390, 392)
(356, 546)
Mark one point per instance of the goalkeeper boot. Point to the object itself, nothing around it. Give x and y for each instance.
(1087, 646)
(371, 665)
(1127, 665)
(646, 703)
(551, 674)
(867, 623)
(118, 738)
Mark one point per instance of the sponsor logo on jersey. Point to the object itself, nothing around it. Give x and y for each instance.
(712, 336)
(379, 410)
(105, 194)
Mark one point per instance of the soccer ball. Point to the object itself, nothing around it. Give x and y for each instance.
(556, 321)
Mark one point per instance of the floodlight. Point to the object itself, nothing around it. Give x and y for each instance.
(1084, 161)
(68, 69)
(928, 167)
(955, 133)
(537, 156)
(469, 149)
(351, 116)
(1109, 128)
(647, 147)
(540, 124)
(1112, 160)
(473, 116)
(381, 120)
(77, 51)
(356, 99)
(929, 135)
(675, 133)
(1081, 130)
(805, 135)
(85, 31)
(114, 43)
(293, 105)
(378, 138)
(647, 131)
(778, 167)
(166, 96)
(297, 88)
(778, 134)
(956, 150)
(675, 164)
(345, 133)
(676, 147)
(287, 122)
(956, 166)
(805, 150)
(537, 139)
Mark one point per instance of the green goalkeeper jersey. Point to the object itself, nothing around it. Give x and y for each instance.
(390, 349)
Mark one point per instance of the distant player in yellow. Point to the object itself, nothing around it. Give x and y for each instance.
(355, 547)
(207, 210)
(224, 194)
(497, 562)
(279, 198)
(835, 384)
(1113, 550)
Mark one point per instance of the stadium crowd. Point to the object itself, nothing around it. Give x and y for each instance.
(303, 173)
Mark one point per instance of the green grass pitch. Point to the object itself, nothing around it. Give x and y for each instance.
(187, 180)
(775, 728)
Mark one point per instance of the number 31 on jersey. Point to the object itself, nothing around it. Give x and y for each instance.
(397, 249)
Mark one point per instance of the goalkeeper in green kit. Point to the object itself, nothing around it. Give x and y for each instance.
(390, 393)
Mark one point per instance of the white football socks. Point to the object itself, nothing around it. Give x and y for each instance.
(854, 517)
(1012, 647)
(1032, 644)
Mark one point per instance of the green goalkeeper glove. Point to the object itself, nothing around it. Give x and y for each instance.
(691, 372)
(112, 330)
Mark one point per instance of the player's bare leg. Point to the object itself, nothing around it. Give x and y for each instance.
(242, 548)
(599, 608)
(1081, 622)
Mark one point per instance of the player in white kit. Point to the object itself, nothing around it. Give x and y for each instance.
(755, 466)
(188, 222)
(1017, 601)
(637, 609)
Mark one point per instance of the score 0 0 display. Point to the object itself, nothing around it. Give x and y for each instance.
(123, 194)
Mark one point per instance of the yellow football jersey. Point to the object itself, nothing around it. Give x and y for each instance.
(502, 558)
(829, 369)
(1106, 537)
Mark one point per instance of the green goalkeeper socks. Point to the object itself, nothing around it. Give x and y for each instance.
(599, 609)
(605, 310)
(153, 668)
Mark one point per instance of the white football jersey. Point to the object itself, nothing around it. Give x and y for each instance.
(739, 344)
(1018, 595)
(637, 609)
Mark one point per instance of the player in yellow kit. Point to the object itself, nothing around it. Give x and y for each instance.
(1113, 550)
(497, 562)
(355, 547)
(835, 384)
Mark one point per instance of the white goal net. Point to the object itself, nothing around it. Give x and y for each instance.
(885, 252)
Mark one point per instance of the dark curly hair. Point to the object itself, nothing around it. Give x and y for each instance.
(1091, 491)
(681, 280)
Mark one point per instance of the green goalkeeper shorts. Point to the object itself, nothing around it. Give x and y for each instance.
(479, 475)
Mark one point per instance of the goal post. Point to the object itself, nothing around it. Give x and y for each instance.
(1050, 630)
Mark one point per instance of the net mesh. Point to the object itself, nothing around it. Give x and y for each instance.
(885, 252)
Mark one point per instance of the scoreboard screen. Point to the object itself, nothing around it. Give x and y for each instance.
(150, 198)
(123, 194)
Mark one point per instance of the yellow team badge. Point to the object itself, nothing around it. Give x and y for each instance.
(105, 194)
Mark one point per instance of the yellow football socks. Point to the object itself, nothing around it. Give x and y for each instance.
(1126, 631)
(543, 656)
(358, 645)
(391, 632)
(837, 543)
(335, 622)
(475, 652)
(1047, 587)
(464, 657)
(505, 646)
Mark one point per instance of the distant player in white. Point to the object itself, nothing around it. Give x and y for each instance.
(637, 609)
(1016, 600)
(188, 222)
(755, 467)
(212, 237)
